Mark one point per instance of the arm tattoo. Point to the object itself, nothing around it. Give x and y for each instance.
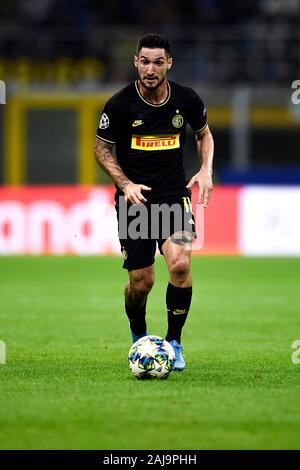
(107, 161)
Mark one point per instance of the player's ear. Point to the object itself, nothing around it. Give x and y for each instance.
(135, 61)
(170, 62)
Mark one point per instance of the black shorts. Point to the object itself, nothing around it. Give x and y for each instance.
(144, 226)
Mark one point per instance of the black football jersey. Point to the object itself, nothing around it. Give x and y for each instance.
(149, 138)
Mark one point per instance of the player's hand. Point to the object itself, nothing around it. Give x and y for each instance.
(133, 193)
(204, 180)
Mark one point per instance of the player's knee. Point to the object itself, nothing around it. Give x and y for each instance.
(144, 284)
(180, 267)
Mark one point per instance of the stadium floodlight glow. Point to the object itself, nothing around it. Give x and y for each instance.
(2, 92)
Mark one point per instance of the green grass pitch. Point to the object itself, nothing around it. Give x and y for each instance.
(67, 385)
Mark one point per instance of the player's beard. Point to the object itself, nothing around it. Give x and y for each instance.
(156, 83)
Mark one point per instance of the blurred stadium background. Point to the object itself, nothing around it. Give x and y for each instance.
(61, 60)
(61, 316)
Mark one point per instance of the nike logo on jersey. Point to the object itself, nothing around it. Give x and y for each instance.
(137, 122)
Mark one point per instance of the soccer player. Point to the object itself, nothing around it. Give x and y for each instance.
(146, 123)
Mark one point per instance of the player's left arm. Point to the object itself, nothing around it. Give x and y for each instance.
(205, 150)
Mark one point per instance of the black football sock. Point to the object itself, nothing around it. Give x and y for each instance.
(137, 319)
(178, 304)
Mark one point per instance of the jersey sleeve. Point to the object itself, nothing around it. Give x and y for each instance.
(197, 113)
(108, 124)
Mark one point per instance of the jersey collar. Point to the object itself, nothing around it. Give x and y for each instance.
(148, 102)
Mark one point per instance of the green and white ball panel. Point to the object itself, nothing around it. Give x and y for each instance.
(151, 357)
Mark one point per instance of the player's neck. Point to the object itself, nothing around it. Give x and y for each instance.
(157, 96)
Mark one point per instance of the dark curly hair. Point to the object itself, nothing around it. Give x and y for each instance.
(153, 41)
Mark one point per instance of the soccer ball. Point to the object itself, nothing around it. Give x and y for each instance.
(151, 357)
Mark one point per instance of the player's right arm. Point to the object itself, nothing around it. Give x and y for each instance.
(107, 161)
